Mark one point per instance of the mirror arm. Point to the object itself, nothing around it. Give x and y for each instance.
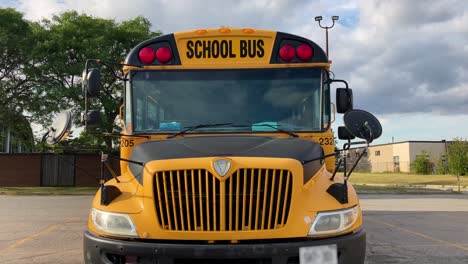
(127, 160)
(371, 133)
(357, 161)
(111, 68)
(109, 168)
(346, 146)
(44, 138)
(320, 158)
(107, 134)
(336, 169)
(341, 81)
(85, 80)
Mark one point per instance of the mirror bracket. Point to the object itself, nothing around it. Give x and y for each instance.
(339, 191)
(109, 193)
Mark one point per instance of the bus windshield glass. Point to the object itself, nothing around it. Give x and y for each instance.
(249, 99)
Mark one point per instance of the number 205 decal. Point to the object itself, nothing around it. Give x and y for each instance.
(127, 143)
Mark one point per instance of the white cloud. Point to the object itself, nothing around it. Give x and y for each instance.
(399, 56)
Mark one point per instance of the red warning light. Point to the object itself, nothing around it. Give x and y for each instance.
(287, 53)
(147, 55)
(304, 52)
(163, 55)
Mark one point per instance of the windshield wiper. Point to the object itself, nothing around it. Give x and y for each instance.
(191, 128)
(292, 134)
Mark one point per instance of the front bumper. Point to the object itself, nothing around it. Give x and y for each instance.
(351, 249)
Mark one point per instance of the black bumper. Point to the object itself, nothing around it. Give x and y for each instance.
(351, 249)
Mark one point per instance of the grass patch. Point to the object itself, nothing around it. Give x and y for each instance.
(48, 190)
(409, 179)
(397, 189)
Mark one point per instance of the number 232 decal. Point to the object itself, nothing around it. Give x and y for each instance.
(326, 141)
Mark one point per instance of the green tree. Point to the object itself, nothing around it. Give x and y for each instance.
(64, 43)
(422, 164)
(441, 165)
(16, 66)
(457, 154)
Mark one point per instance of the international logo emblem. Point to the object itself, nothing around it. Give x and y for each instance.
(222, 166)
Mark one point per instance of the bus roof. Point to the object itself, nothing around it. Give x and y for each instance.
(227, 48)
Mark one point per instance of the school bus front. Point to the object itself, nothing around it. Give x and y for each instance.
(225, 128)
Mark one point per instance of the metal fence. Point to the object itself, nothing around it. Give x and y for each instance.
(40, 169)
(366, 166)
(58, 170)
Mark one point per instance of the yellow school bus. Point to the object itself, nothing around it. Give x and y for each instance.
(227, 156)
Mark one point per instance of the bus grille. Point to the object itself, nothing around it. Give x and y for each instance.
(195, 200)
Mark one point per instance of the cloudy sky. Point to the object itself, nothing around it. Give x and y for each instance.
(407, 61)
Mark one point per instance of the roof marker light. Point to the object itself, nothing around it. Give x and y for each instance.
(163, 55)
(287, 53)
(201, 31)
(147, 55)
(304, 52)
(224, 30)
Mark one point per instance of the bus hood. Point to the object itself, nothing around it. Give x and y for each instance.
(223, 146)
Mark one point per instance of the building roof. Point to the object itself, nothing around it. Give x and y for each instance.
(401, 142)
(411, 141)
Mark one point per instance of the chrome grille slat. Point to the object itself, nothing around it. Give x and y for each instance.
(195, 200)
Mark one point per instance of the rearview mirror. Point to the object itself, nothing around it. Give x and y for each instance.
(59, 129)
(90, 118)
(362, 124)
(91, 82)
(344, 134)
(344, 100)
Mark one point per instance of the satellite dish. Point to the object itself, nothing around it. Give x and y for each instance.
(60, 128)
(362, 124)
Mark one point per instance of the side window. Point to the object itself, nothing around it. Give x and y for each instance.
(128, 107)
(326, 100)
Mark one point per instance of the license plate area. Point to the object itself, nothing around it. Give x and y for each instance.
(326, 254)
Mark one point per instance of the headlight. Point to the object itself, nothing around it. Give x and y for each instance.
(113, 223)
(334, 222)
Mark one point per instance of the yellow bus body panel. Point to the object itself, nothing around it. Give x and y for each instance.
(307, 200)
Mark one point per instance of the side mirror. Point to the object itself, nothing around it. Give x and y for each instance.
(362, 124)
(91, 82)
(344, 134)
(90, 118)
(59, 129)
(344, 100)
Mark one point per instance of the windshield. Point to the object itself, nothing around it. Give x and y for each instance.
(169, 101)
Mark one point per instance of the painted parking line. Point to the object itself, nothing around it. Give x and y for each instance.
(448, 243)
(36, 235)
(47, 253)
(26, 239)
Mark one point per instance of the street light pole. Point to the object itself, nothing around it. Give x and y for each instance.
(326, 38)
(318, 19)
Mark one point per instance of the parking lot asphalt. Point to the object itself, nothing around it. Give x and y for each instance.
(400, 228)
